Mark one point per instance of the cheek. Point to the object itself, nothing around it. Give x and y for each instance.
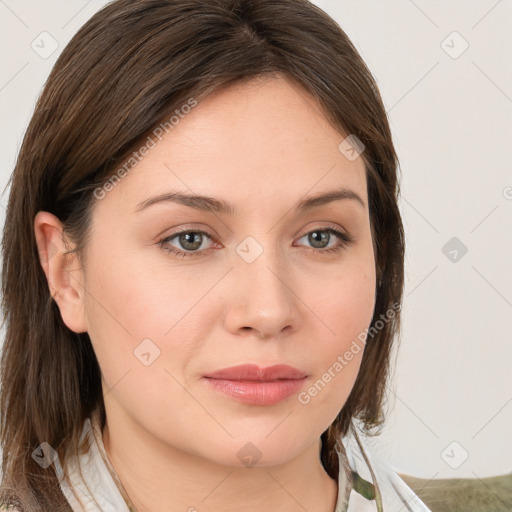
(138, 316)
(344, 306)
(344, 302)
(122, 311)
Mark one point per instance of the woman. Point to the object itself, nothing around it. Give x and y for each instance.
(203, 268)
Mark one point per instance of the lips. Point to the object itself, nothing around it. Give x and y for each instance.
(253, 385)
(252, 372)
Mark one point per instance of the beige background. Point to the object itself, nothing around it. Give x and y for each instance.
(450, 108)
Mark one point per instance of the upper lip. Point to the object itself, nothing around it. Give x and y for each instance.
(256, 373)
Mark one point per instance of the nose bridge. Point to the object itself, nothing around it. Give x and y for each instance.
(260, 264)
(263, 299)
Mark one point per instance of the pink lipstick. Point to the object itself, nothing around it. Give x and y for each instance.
(251, 384)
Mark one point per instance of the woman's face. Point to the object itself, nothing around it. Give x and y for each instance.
(267, 284)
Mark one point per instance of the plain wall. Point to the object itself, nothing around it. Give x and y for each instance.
(450, 401)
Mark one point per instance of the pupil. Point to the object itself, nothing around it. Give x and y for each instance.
(314, 238)
(193, 239)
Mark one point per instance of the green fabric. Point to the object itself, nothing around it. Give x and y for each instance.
(493, 494)
(363, 487)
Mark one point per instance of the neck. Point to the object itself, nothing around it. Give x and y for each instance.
(159, 477)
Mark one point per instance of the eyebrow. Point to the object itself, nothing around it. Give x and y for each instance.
(211, 204)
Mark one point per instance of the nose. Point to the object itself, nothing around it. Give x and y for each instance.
(261, 300)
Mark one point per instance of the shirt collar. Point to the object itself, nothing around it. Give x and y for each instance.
(98, 487)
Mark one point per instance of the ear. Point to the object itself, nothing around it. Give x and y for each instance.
(63, 271)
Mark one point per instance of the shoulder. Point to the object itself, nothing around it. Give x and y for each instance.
(391, 492)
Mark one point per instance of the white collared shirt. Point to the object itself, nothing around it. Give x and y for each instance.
(365, 484)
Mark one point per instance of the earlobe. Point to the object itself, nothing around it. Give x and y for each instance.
(63, 272)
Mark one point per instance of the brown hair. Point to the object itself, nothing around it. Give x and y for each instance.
(127, 69)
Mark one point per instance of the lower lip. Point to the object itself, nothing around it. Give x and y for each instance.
(257, 392)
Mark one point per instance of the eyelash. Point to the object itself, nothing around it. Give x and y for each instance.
(345, 240)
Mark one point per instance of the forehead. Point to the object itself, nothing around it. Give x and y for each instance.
(263, 141)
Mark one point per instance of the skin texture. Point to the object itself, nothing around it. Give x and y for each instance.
(263, 146)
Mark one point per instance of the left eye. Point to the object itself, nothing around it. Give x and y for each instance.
(192, 240)
(324, 235)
